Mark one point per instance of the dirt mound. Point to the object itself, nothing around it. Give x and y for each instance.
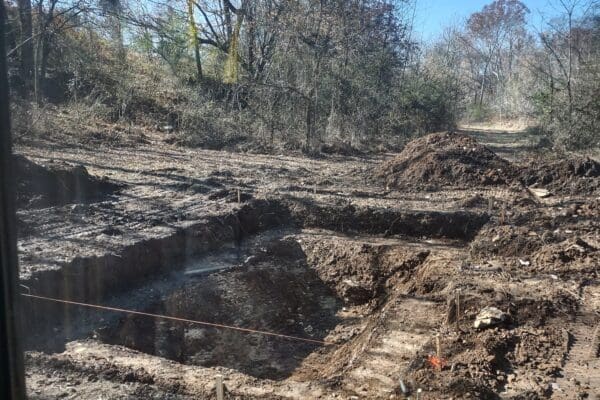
(53, 185)
(482, 363)
(446, 159)
(505, 241)
(570, 176)
(360, 272)
(570, 255)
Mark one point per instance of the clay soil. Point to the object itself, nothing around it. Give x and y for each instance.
(374, 260)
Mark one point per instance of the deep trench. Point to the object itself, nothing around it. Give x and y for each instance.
(269, 287)
(246, 269)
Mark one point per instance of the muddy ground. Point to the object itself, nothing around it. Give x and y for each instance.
(373, 259)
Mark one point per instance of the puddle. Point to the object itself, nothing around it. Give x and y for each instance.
(232, 254)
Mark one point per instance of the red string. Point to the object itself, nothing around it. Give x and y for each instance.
(220, 326)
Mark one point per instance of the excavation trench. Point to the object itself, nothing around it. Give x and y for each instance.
(262, 268)
(270, 288)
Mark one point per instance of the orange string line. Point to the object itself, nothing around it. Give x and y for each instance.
(220, 326)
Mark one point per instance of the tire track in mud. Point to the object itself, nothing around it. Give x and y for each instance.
(404, 331)
(581, 368)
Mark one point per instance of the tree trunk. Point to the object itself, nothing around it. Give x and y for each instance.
(41, 75)
(13, 385)
(27, 59)
(198, 61)
(482, 90)
(38, 47)
(227, 14)
(194, 39)
(119, 37)
(310, 121)
(249, 14)
(570, 70)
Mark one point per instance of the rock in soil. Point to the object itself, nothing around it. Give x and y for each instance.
(488, 317)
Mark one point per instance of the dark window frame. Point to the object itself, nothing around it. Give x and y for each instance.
(12, 381)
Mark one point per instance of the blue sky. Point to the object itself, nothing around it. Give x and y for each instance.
(432, 16)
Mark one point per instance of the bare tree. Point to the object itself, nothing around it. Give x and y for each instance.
(488, 31)
(193, 31)
(27, 41)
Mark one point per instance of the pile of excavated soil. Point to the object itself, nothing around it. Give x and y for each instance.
(54, 185)
(570, 176)
(445, 159)
(527, 231)
(483, 362)
(569, 256)
(505, 241)
(359, 272)
(451, 159)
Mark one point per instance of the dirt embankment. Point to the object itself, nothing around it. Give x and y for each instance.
(57, 184)
(361, 272)
(545, 237)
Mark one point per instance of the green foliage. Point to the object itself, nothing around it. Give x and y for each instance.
(143, 42)
(424, 103)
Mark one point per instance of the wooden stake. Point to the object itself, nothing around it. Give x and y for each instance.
(239, 195)
(490, 204)
(438, 346)
(458, 310)
(220, 391)
(403, 387)
(595, 343)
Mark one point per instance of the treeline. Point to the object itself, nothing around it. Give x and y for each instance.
(302, 74)
(298, 73)
(508, 69)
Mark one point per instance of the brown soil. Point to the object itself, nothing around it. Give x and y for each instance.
(576, 255)
(456, 159)
(313, 248)
(571, 176)
(57, 184)
(506, 241)
(444, 159)
(361, 272)
(529, 227)
(275, 292)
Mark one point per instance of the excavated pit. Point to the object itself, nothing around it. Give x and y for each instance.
(273, 290)
(268, 267)
(289, 281)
